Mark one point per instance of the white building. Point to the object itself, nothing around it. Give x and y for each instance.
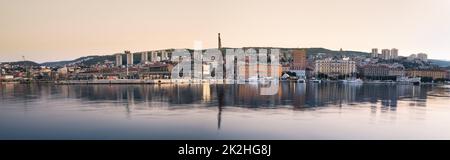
(422, 56)
(386, 54)
(118, 59)
(63, 71)
(412, 57)
(335, 67)
(144, 57)
(374, 52)
(394, 53)
(129, 57)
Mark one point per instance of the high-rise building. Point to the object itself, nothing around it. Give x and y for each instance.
(129, 57)
(144, 57)
(154, 56)
(422, 56)
(386, 54)
(118, 59)
(164, 55)
(394, 53)
(374, 52)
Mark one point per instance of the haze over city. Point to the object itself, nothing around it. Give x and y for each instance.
(51, 30)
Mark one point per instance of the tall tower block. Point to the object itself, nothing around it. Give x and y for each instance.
(118, 59)
(129, 57)
(144, 57)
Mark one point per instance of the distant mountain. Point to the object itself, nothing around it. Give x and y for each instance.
(23, 63)
(87, 61)
(315, 51)
(91, 60)
(440, 63)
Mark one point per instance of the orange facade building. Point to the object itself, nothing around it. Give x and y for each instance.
(300, 60)
(435, 74)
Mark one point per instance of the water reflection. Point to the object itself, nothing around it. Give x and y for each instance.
(236, 111)
(298, 96)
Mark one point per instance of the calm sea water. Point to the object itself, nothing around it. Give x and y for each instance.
(298, 111)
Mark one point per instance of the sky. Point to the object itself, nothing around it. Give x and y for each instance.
(52, 30)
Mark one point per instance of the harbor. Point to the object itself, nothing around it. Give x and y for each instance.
(207, 111)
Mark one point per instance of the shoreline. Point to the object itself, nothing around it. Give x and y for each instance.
(186, 81)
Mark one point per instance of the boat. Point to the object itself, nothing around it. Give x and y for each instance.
(301, 80)
(353, 81)
(408, 81)
(316, 81)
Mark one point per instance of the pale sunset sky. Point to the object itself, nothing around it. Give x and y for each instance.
(51, 30)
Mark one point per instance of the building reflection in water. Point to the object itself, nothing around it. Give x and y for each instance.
(295, 95)
(380, 98)
(384, 98)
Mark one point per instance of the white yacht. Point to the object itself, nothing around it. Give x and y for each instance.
(353, 81)
(406, 80)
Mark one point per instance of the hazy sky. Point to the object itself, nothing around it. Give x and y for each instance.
(48, 30)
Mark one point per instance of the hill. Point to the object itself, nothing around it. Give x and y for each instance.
(23, 63)
(91, 60)
(86, 61)
(315, 51)
(440, 63)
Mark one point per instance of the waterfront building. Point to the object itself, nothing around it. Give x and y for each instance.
(63, 70)
(156, 71)
(386, 54)
(299, 63)
(448, 74)
(335, 67)
(299, 60)
(422, 56)
(374, 53)
(431, 73)
(261, 70)
(383, 71)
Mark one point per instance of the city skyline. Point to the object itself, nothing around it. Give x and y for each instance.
(51, 30)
